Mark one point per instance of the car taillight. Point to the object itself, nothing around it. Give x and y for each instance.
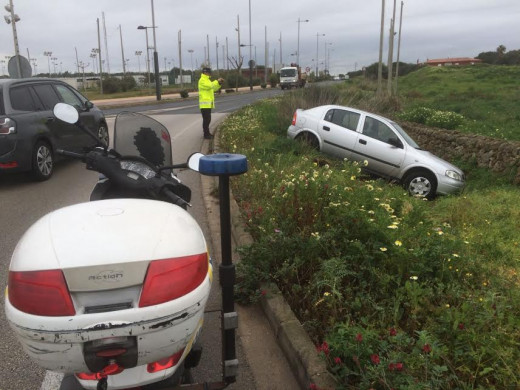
(294, 119)
(7, 126)
(172, 278)
(42, 293)
(166, 363)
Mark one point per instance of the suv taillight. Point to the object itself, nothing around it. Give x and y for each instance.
(7, 126)
(294, 118)
(41, 293)
(169, 279)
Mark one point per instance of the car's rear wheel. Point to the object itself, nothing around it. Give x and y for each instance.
(42, 161)
(309, 139)
(102, 133)
(421, 183)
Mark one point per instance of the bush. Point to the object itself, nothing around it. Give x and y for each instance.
(128, 83)
(184, 93)
(435, 118)
(111, 85)
(273, 80)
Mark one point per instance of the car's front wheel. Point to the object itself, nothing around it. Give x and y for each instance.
(42, 161)
(102, 133)
(421, 183)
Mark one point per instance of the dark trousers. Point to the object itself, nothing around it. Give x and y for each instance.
(206, 120)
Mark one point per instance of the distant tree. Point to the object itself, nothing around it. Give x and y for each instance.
(488, 57)
(501, 50)
(512, 57)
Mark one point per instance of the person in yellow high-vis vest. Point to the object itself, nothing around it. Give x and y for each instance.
(207, 89)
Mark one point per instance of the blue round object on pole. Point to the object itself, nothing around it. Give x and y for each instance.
(223, 164)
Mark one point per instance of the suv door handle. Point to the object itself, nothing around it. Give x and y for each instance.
(326, 128)
(362, 142)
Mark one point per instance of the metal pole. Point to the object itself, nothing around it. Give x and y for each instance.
(100, 63)
(380, 66)
(391, 52)
(180, 57)
(281, 58)
(156, 60)
(122, 51)
(398, 48)
(238, 30)
(250, 52)
(147, 56)
(15, 38)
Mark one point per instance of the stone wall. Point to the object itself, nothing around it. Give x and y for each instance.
(494, 154)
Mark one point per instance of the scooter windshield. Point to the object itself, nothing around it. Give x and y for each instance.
(139, 135)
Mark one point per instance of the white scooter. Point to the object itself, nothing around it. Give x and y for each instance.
(114, 290)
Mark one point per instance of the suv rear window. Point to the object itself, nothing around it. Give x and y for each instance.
(21, 99)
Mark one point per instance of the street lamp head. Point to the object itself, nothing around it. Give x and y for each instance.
(7, 19)
(142, 28)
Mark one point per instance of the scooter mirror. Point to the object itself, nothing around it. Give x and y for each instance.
(66, 113)
(193, 161)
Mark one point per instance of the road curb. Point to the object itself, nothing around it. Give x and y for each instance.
(307, 367)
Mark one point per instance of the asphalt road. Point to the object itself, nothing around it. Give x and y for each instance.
(24, 201)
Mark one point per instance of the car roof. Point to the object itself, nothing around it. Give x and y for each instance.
(9, 82)
(333, 106)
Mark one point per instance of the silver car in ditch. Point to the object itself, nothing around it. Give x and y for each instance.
(358, 135)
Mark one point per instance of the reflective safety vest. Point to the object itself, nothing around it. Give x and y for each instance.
(207, 89)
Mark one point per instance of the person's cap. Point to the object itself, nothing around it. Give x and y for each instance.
(206, 70)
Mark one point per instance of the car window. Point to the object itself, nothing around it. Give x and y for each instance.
(374, 128)
(21, 99)
(2, 107)
(67, 96)
(343, 118)
(47, 95)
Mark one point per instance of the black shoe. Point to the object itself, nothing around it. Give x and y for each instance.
(208, 136)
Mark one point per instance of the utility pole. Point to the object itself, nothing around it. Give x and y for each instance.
(391, 52)
(122, 51)
(281, 58)
(216, 51)
(180, 58)
(238, 31)
(380, 66)
(155, 58)
(207, 46)
(398, 48)
(100, 62)
(106, 45)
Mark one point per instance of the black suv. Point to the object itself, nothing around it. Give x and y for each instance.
(29, 132)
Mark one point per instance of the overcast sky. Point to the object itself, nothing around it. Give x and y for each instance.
(430, 29)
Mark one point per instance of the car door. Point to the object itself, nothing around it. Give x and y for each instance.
(381, 146)
(62, 133)
(338, 130)
(80, 139)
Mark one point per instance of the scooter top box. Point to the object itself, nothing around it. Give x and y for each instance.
(95, 275)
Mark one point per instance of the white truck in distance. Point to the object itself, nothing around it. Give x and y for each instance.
(292, 77)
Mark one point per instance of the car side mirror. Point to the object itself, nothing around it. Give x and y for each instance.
(395, 142)
(66, 113)
(88, 105)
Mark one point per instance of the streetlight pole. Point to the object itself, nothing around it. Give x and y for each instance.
(238, 31)
(122, 51)
(48, 54)
(250, 52)
(298, 51)
(12, 20)
(147, 52)
(156, 60)
(138, 55)
(317, 52)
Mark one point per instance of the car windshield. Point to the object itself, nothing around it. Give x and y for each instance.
(288, 72)
(139, 135)
(406, 137)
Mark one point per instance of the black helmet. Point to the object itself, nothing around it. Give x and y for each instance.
(206, 70)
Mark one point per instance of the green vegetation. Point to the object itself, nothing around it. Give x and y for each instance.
(487, 97)
(396, 292)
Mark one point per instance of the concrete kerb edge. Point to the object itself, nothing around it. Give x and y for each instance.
(295, 343)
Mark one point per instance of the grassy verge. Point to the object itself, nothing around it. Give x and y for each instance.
(396, 292)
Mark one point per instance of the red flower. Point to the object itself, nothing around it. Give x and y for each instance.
(461, 325)
(427, 348)
(375, 359)
(263, 292)
(393, 332)
(399, 366)
(391, 366)
(313, 386)
(337, 360)
(359, 337)
(324, 347)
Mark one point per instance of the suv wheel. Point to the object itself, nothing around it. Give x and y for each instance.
(421, 183)
(42, 161)
(102, 133)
